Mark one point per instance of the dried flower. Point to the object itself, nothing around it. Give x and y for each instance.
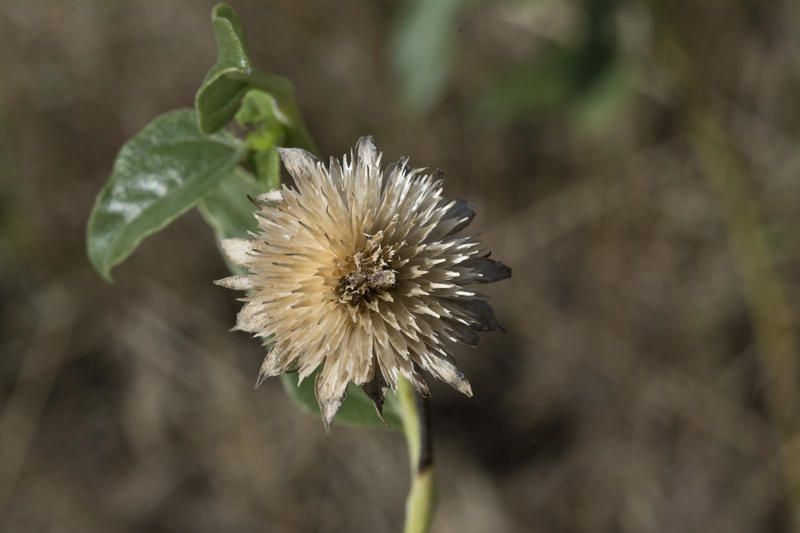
(364, 274)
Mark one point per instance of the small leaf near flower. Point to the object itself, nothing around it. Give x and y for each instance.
(232, 76)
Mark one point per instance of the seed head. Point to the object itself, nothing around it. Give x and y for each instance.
(364, 274)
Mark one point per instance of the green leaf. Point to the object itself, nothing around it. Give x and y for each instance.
(257, 116)
(542, 86)
(224, 12)
(219, 95)
(264, 132)
(232, 76)
(257, 106)
(268, 168)
(158, 175)
(229, 212)
(581, 82)
(227, 209)
(357, 409)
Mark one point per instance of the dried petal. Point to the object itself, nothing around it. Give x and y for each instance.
(238, 283)
(277, 361)
(240, 251)
(488, 270)
(483, 315)
(463, 212)
(376, 391)
(445, 368)
(331, 391)
(274, 197)
(300, 164)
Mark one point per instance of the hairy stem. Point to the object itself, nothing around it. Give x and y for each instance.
(421, 501)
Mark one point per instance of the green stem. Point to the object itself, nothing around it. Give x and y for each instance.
(748, 234)
(421, 501)
(769, 307)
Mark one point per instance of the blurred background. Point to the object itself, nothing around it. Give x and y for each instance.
(635, 162)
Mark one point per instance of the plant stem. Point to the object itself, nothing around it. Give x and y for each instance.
(748, 234)
(769, 308)
(421, 501)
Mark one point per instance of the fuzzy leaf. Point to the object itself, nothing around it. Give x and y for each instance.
(227, 209)
(158, 175)
(219, 95)
(257, 116)
(268, 168)
(257, 106)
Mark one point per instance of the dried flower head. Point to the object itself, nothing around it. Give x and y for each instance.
(363, 274)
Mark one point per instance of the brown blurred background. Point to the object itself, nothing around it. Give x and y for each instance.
(634, 162)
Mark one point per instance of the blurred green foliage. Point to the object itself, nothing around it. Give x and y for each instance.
(588, 81)
(423, 51)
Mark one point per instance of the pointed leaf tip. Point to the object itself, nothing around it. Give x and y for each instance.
(218, 97)
(223, 11)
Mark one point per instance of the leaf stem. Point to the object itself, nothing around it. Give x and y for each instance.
(421, 502)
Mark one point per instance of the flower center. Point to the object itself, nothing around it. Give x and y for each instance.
(365, 284)
(370, 273)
